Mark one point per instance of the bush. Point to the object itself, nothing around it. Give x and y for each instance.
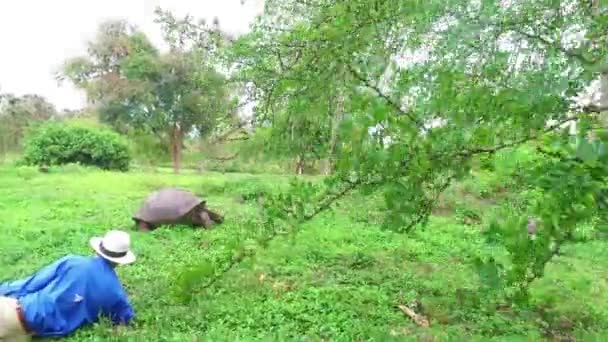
(60, 143)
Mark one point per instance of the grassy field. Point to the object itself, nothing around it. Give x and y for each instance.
(340, 279)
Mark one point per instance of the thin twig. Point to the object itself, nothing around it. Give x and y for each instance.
(380, 94)
(233, 129)
(595, 108)
(326, 204)
(554, 45)
(224, 158)
(494, 149)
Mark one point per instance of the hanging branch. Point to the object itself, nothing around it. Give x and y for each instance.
(596, 108)
(515, 143)
(383, 96)
(331, 196)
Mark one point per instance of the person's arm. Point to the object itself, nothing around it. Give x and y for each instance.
(33, 283)
(122, 312)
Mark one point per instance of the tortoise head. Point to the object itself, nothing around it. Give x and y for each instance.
(201, 218)
(205, 217)
(215, 217)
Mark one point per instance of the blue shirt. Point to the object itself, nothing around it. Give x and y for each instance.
(69, 293)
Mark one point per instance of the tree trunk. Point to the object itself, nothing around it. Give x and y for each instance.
(330, 163)
(603, 90)
(300, 165)
(176, 141)
(595, 7)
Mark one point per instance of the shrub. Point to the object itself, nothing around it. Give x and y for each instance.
(60, 143)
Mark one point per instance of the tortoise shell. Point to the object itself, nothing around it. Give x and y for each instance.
(167, 206)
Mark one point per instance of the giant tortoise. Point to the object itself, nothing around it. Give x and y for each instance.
(170, 206)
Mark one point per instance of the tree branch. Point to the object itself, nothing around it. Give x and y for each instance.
(425, 209)
(554, 45)
(595, 108)
(385, 97)
(350, 185)
(558, 155)
(328, 201)
(224, 158)
(241, 138)
(494, 149)
(233, 129)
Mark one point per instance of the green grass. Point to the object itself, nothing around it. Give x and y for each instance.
(339, 279)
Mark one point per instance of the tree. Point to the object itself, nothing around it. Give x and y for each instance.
(493, 76)
(353, 44)
(134, 86)
(100, 73)
(177, 97)
(18, 113)
(305, 129)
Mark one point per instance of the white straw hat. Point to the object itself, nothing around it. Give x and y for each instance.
(115, 246)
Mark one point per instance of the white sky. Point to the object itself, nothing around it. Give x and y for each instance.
(36, 36)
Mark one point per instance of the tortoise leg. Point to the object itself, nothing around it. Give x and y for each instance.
(144, 227)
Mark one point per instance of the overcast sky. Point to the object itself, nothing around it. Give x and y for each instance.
(36, 36)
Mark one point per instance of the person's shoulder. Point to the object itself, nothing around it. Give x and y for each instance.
(73, 262)
(76, 259)
(85, 267)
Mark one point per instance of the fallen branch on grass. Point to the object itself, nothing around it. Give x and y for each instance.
(418, 319)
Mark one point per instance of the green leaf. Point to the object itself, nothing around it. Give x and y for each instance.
(489, 273)
(586, 151)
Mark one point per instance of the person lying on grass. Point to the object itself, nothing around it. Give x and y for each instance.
(69, 293)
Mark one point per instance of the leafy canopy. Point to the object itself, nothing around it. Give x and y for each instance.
(17, 114)
(423, 89)
(133, 84)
